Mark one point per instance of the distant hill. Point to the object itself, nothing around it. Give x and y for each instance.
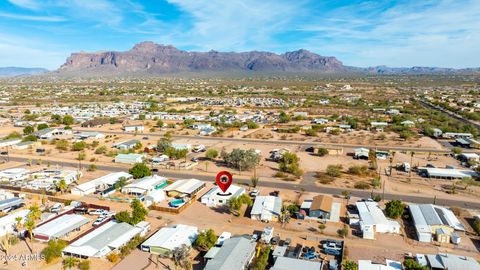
(17, 71)
(148, 58)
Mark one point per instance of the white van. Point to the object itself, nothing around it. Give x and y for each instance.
(56, 208)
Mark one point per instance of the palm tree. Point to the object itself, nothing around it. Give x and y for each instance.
(35, 212)
(70, 262)
(5, 245)
(30, 225)
(411, 163)
(18, 223)
(62, 185)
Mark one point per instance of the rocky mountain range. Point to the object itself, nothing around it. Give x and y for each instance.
(19, 71)
(148, 58)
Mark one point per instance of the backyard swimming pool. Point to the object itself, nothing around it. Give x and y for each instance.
(176, 203)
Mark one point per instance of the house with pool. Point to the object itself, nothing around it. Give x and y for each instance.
(145, 185)
(216, 197)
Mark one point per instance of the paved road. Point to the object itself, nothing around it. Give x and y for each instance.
(307, 185)
(285, 142)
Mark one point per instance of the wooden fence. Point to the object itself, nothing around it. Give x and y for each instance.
(173, 210)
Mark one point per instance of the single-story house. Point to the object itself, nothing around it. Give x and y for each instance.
(133, 128)
(59, 227)
(389, 265)
(89, 134)
(287, 263)
(154, 196)
(50, 133)
(11, 203)
(144, 185)
(446, 173)
(103, 240)
(235, 254)
(96, 122)
(181, 146)
(407, 123)
(466, 157)
(25, 145)
(361, 153)
(378, 125)
(8, 223)
(444, 261)
(216, 197)
(321, 207)
(184, 187)
(266, 208)
(56, 175)
(14, 174)
(456, 135)
(168, 238)
(129, 158)
(372, 220)
(10, 142)
(130, 144)
(102, 182)
(433, 220)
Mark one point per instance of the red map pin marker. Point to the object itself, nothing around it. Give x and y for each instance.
(224, 180)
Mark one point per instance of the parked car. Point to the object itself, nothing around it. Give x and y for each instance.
(287, 242)
(56, 208)
(194, 159)
(80, 210)
(310, 149)
(254, 193)
(145, 138)
(332, 245)
(275, 240)
(96, 212)
(98, 221)
(334, 252)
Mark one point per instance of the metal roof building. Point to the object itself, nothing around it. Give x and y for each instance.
(144, 185)
(390, 265)
(102, 240)
(373, 220)
(286, 263)
(235, 254)
(445, 261)
(446, 173)
(168, 238)
(216, 196)
(266, 208)
(428, 218)
(59, 227)
(185, 187)
(9, 203)
(105, 181)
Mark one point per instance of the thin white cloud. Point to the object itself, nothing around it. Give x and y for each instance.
(28, 4)
(32, 18)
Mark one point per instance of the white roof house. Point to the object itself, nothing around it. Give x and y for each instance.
(287, 263)
(428, 218)
(168, 238)
(56, 175)
(235, 254)
(103, 240)
(368, 265)
(447, 261)
(8, 222)
(59, 227)
(216, 196)
(266, 208)
(101, 182)
(154, 196)
(185, 187)
(9, 142)
(129, 158)
(373, 220)
(14, 174)
(145, 184)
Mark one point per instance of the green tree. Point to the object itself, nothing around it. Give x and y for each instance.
(84, 265)
(334, 170)
(62, 145)
(42, 126)
(122, 181)
(101, 150)
(68, 120)
(242, 159)
(139, 212)
(62, 186)
(394, 209)
(79, 146)
(457, 150)
(28, 130)
(343, 232)
(376, 182)
(56, 118)
(29, 138)
(123, 216)
(160, 123)
(261, 262)
(70, 262)
(53, 250)
(180, 256)
(322, 227)
(283, 117)
(411, 264)
(13, 135)
(164, 143)
(350, 265)
(322, 151)
(289, 163)
(205, 240)
(211, 153)
(254, 181)
(140, 170)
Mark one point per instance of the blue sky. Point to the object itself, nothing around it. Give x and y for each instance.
(42, 33)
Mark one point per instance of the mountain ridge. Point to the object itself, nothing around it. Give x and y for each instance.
(148, 58)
